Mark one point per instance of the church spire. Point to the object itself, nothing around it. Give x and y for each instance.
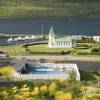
(51, 33)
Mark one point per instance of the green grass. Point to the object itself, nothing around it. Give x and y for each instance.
(42, 48)
(87, 76)
(45, 48)
(13, 50)
(47, 9)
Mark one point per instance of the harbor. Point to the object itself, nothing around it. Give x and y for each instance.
(64, 26)
(20, 41)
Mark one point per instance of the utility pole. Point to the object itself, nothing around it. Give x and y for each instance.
(42, 31)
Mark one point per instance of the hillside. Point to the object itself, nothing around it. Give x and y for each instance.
(70, 9)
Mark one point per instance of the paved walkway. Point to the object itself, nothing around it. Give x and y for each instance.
(61, 57)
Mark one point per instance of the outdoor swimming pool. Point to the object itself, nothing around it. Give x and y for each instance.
(48, 71)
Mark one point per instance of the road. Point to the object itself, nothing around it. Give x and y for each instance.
(60, 57)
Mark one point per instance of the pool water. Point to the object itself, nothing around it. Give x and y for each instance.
(46, 70)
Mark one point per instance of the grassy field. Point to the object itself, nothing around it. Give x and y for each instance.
(41, 9)
(20, 50)
(45, 48)
(42, 48)
(13, 50)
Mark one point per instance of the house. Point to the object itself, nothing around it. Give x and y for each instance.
(2, 55)
(96, 38)
(60, 42)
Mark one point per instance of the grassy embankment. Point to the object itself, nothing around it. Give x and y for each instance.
(41, 9)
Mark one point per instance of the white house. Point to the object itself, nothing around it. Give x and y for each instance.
(60, 42)
(2, 55)
(96, 38)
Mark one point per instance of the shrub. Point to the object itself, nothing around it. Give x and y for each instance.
(18, 97)
(63, 96)
(52, 88)
(62, 81)
(95, 49)
(35, 92)
(96, 96)
(6, 70)
(43, 89)
(84, 97)
(87, 75)
(24, 89)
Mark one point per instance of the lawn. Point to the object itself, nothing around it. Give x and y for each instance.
(13, 50)
(45, 48)
(80, 48)
(42, 48)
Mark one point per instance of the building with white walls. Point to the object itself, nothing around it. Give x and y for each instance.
(60, 42)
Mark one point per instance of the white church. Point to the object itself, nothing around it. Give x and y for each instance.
(60, 42)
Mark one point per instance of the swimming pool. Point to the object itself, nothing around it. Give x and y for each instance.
(49, 71)
(45, 73)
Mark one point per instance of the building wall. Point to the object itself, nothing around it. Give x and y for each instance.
(2, 55)
(96, 38)
(63, 44)
(66, 44)
(53, 43)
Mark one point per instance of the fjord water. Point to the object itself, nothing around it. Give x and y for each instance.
(61, 26)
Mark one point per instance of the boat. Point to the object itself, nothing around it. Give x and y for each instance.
(15, 39)
(33, 37)
(11, 39)
(20, 38)
(26, 37)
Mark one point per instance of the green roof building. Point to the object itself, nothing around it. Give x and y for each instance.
(60, 42)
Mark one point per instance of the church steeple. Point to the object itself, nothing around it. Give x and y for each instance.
(51, 33)
(51, 37)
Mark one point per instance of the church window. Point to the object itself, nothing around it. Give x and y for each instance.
(66, 43)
